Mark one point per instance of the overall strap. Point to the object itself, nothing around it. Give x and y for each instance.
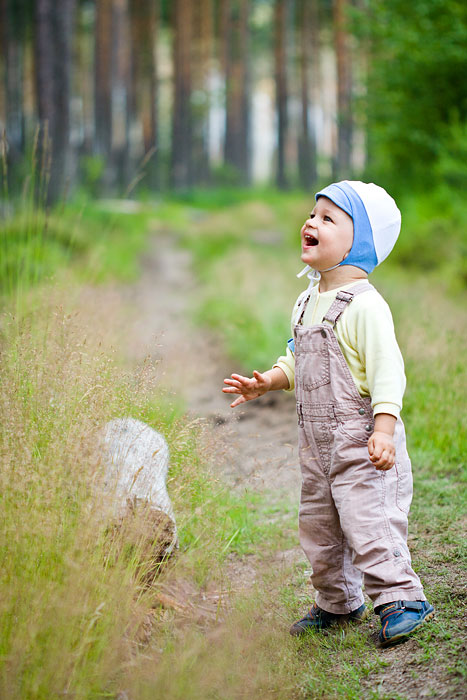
(343, 298)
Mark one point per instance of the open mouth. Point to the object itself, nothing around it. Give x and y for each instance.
(310, 239)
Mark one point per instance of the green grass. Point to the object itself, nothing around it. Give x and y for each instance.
(71, 616)
(88, 241)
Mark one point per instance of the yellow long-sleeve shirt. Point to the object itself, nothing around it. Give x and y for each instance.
(365, 333)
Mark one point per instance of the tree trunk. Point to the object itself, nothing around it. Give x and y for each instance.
(280, 64)
(64, 16)
(307, 17)
(11, 24)
(202, 53)
(53, 36)
(236, 148)
(223, 32)
(181, 166)
(120, 58)
(44, 63)
(84, 84)
(103, 85)
(344, 87)
(144, 99)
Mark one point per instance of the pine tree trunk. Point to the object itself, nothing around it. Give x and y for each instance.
(11, 25)
(44, 61)
(144, 93)
(202, 53)
(307, 142)
(181, 162)
(236, 147)
(84, 72)
(344, 87)
(223, 33)
(280, 63)
(64, 16)
(53, 36)
(120, 58)
(103, 85)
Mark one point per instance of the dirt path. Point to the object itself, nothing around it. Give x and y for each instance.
(258, 443)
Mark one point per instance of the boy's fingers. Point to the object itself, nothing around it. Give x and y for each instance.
(240, 399)
(385, 467)
(232, 382)
(386, 461)
(230, 390)
(240, 378)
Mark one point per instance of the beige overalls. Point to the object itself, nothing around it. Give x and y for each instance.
(353, 518)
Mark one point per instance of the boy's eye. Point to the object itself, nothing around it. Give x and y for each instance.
(312, 216)
(327, 218)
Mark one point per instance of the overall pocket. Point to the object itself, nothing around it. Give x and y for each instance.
(312, 365)
(404, 486)
(356, 432)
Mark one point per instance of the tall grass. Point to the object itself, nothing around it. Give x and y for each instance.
(63, 612)
(76, 616)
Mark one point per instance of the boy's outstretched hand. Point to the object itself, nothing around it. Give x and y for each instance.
(248, 388)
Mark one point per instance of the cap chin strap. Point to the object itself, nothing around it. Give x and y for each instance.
(315, 275)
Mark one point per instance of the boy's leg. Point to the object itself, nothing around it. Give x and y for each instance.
(373, 507)
(337, 581)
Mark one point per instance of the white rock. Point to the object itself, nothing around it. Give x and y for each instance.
(137, 461)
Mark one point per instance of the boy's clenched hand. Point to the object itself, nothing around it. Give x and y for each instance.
(248, 388)
(381, 450)
(381, 444)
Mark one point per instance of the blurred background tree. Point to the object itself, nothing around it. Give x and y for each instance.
(211, 92)
(416, 86)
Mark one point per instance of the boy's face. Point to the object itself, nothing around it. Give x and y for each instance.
(327, 235)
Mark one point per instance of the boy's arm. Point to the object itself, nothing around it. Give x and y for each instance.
(257, 385)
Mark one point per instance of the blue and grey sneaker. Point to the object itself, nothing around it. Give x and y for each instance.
(400, 618)
(318, 619)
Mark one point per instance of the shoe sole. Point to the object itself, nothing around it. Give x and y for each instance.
(403, 636)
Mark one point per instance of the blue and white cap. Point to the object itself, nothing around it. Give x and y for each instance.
(376, 220)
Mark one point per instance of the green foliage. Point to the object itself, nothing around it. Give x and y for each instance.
(417, 85)
(451, 167)
(92, 168)
(434, 234)
(95, 242)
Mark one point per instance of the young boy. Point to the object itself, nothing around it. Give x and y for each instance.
(348, 374)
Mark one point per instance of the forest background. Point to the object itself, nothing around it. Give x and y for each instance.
(134, 132)
(235, 91)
